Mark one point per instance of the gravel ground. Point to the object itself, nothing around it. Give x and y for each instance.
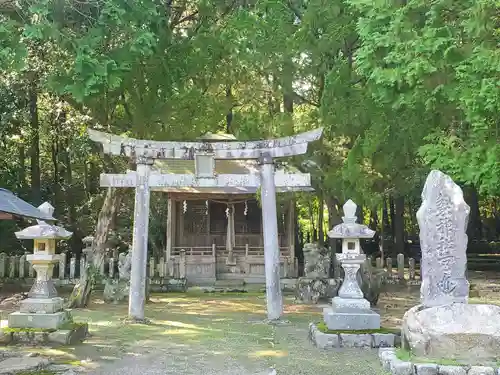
(294, 355)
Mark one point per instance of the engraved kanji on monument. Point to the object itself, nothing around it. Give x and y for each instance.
(442, 219)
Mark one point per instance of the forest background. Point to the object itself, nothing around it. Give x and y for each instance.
(400, 87)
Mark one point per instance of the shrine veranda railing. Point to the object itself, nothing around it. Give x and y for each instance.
(67, 271)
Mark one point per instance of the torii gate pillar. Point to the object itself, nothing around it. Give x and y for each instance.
(271, 246)
(137, 294)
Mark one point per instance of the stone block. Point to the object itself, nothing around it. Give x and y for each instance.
(386, 357)
(42, 321)
(351, 340)
(351, 319)
(23, 365)
(116, 291)
(29, 337)
(61, 337)
(42, 305)
(326, 341)
(383, 340)
(5, 337)
(481, 370)
(350, 303)
(399, 367)
(469, 333)
(425, 369)
(309, 290)
(451, 370)
(323, 340)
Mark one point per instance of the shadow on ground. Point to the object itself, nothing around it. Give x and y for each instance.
(198, 333)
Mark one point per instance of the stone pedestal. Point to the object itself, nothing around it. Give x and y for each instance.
(350, 311)
(40, 320)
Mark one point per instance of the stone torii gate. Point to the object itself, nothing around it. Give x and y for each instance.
(144, 152)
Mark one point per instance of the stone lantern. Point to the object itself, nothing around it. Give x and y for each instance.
(350, 311)
(43, 308)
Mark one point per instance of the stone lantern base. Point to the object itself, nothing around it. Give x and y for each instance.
(350, 311)
(347, 319)
(51, 321)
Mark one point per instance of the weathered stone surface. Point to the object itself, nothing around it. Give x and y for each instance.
(64, 369)
(425, 369)
(383, 340)
(350, 340)
(313, 290)
(5, 337)
(481, 370)
(33, 320)
(323, 340)
(316, 261)
(442, 219)
(24, 364)
(29, 338)
(399, 367)
(42, 305)
(386, 357)
(116, 291)
(451, 370)
(61, 337)
(469, 333)
(351, 319)
(124, 266)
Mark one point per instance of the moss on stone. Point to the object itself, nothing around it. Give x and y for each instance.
(322, 327)
(27, 330)
(72, 326)
(407, 356)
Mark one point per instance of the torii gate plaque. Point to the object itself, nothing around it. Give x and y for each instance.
(144, 152)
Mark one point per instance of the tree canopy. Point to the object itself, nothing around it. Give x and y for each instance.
(400, 87)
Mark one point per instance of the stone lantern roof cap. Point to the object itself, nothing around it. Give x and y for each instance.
(349, 228)
(43, 230)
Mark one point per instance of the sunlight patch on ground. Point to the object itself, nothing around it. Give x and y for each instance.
(183, 332)
(268, 353)
(181, 325)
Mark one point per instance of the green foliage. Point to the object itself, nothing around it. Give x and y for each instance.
(399, 88)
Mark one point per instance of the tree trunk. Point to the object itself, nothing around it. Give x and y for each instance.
(399, 225)
(474, 228)
(383, 227)
(334, 218)
(321, 213)
(35, 146)
(80, 296)
(392, 213)
(22, 166)
(76, 239)
(374, 218)
(229, 115)
(314, 233)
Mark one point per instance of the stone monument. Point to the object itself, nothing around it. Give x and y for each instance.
(43, 308)
(444, 325)
(316, 283)
(350, 310)
(116, 291)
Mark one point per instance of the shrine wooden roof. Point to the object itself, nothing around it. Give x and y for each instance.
(12, 206)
